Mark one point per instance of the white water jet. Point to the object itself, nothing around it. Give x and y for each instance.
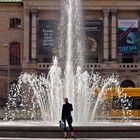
(71, 16)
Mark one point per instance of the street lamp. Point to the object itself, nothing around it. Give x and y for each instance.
(8, 68)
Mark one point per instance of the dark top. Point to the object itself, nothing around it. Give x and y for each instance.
(66, 110)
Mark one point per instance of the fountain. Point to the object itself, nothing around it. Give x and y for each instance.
(41, 97)
(35, 102)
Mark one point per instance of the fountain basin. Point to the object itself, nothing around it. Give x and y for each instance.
(42, 130)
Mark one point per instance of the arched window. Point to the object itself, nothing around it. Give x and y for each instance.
(14, 53)
(15, 23)
(127, 83)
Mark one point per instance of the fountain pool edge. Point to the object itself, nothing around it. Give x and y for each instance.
(81, 132)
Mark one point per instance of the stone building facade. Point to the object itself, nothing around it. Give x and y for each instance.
(117, 19)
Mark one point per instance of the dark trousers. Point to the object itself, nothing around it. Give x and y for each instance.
(69, 121)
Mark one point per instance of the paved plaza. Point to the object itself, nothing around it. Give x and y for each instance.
(70, 139)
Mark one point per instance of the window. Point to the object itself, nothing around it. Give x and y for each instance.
(127, 83)
(91, 60)
(3, 102)
(14, 53)
(127, 60)
(15, 23)
(126, 103)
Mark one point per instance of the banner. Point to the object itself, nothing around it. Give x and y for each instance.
(127, 37)
(93, 38)
(47, 37)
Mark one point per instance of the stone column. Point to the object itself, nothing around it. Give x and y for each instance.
(113, 34)
(138, 36)
(106, 34)
(34, 33)
(26, 36)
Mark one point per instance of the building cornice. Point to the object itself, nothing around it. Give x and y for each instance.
(86, 4)
(11, 4)
(10, 1)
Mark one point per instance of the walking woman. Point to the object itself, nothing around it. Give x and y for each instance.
(66, 116)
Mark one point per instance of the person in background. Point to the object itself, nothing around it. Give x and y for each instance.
(66, 116)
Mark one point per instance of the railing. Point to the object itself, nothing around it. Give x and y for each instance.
(97, 66)
(128, 66)
(86, 66)
(44, 65)
(92, 66)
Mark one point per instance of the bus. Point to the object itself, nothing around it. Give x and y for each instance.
(124, 104)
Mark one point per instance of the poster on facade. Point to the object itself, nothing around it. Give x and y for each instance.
(93, 39)
(127, 37)
(47, 37)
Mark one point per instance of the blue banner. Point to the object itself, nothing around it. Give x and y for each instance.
(127, 37)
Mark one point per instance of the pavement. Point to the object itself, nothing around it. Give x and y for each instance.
(70, 139)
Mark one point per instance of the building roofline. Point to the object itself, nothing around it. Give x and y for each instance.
(11, 1)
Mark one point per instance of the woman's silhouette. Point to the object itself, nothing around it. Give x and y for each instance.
(66, 116)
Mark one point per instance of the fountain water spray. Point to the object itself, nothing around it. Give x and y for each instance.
(40, 97)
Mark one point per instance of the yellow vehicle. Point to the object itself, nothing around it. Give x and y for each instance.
(125, 103)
